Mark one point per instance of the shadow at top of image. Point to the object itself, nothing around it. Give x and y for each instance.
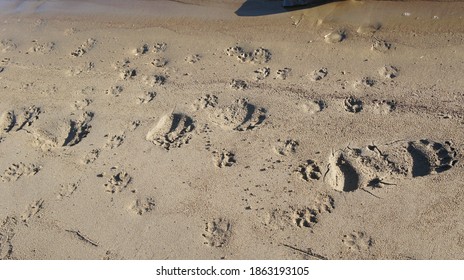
(271, 7)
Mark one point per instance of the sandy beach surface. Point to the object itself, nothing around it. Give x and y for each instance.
(231, 130)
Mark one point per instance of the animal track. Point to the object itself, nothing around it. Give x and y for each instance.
(282, 74)
(304, 217)
(430, 157)
(323, 203)
(67, 190)
(262, 73)
(43, 48)
(259, 55)
(193, 58)
(388, 72)
(8, 45)
(357, 241)
(353, 105)
(6, 235)
(171, 131)
(115, 141)
(286, 147)
(159, 62)
(217, 233)
(383, 106)
(17, 170)
(313, 106)
(32, 210)
(10, 121)
(320, 74)
(84, 48)
(375, 166)
(225, 159)
(335, 36)
(160, 47)
(118, 182)
(141, 50)
(157, 80)
(239, 116)
(207, 101)
(381, 46)
(114, 91)
(91, 156)
(128, 73)
(7, 121)
(78, 129)
(309, 171)
(143, 206)
(148, 97)
(238, 84)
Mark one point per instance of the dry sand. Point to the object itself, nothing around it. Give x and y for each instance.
(180, 130)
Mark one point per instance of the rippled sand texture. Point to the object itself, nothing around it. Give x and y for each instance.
(232, 130)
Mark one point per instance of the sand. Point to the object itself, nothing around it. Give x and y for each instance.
(231, 130)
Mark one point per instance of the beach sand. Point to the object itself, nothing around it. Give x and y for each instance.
(231, 130)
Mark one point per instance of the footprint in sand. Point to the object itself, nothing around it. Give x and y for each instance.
(115, 141)
(159, 62)
(91, 156)
(204, 102)
(240, 116)
(193, 58)
(318, 75)
(146, 98)
(383, 107)
(313, 106)
(8, 45)
(159, 47)
(283, 74)
(84, 48)
(79, 69)
(262, 73)
(42, 48)
(17, 170)
(224, 159)
(323, 203)
(353, 104)
(309, 171)
(217, 233)
(82, 104)
(304, 218)
(171, 131)
(300, 217)
(114, 90)
(142, 206)
(377, 166)
(15, 121)
(286, 147)
(6, 235)
(118, 182)
(381, 46)
(143, 49)
(335, 36)
(238, 84)
(357, 242)
(388, 72)
(67, 190)
(67, 133)
(365, 82)
(259, 55)
(32, 210)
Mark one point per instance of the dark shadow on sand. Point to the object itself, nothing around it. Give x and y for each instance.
(253, 8)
